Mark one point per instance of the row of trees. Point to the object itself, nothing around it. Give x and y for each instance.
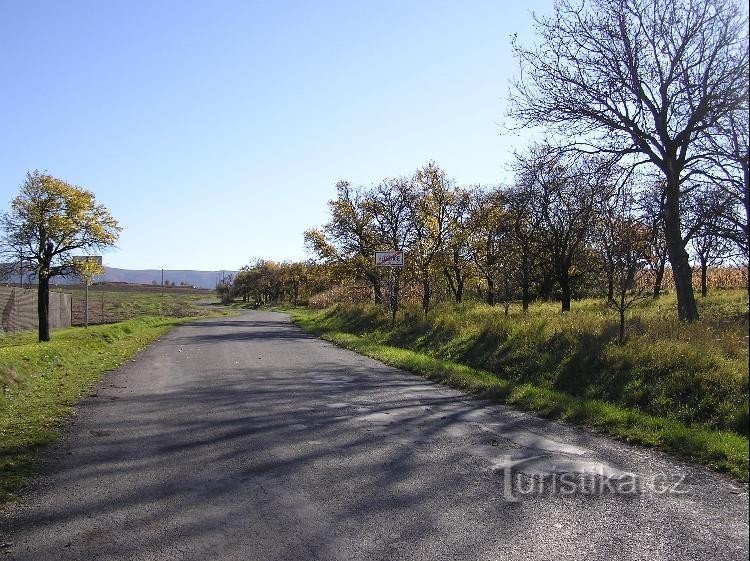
(647, 105)
(265, 282)
(571, 223)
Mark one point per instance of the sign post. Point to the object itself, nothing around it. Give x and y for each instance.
(391, 260)
(87, 266)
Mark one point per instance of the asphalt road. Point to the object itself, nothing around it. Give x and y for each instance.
(247, 439)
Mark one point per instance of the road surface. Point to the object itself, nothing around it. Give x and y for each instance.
(247, 439)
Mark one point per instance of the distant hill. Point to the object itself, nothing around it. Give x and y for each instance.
(199, 279)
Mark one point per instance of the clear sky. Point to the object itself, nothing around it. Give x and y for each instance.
(216, 131)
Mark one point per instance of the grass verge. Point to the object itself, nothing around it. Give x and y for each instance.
(724, 451)
(41, 383)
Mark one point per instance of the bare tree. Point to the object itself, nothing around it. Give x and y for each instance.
(708, 235)
(630, 252)
(562, 190)
(486, 216)
(455, 257)
(651, 204)
(729, 171)
(609, 205)
(642, 79)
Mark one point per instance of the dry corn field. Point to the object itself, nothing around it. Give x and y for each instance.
(717, 277)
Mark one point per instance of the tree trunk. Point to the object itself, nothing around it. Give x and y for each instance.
(704, 278)
(687, 309)
(564, 281)
(525, 281)
(525, 297)
(455, 278)
(43, 307)
(425, 294)
(376, 290)
(507, 295)
(546, 287)
(659, 278)
(622, 322)
(455, 282)
(394, 296)
(610, 285)
(490, 292)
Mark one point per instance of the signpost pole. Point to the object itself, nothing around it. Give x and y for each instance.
(391, 259)
(394, 297)
(87, 265)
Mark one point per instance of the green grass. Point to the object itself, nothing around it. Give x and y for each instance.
(680, 387)
(41, 383)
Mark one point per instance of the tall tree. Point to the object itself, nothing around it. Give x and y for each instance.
(562, 189)
(651, 205)
(391, 203)
(630, 254)
(430, 220)
(484, 227)
(48, 221)
(525, 235)
(455, 257)
(349, 239)
(729, 170)
(647, 79)
(710, 242)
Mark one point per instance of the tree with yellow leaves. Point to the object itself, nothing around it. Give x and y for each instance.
(48, 220)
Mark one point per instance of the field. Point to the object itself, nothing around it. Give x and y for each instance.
(109, 303)
(680, 386)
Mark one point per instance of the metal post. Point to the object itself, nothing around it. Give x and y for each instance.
(86, 313)
(392, 298)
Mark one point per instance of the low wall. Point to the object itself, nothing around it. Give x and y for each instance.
(18, 309)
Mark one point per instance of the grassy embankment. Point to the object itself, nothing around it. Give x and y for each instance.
(40, 384)
(681, 387)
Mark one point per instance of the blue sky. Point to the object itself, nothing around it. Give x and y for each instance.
(216, 131)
